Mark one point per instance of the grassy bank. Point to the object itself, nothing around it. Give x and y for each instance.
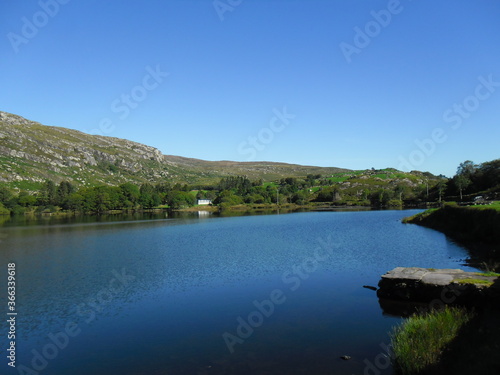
(450, 341)
(477, 227)
(453, 341)
(476, 223)
(420, 341)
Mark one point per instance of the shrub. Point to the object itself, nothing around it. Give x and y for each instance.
(3, 210)
(395, 203)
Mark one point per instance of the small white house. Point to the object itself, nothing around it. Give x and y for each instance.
(204, 202)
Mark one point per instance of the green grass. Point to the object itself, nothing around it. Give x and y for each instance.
(474, 281)
(419, 342)
(418, 217)
(338, 179)
(488, 274)
(494, 205)
(273, 184)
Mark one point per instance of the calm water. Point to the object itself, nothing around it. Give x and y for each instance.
(160, 296)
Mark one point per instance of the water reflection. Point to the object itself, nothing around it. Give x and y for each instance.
(401, 309)
(190, 277)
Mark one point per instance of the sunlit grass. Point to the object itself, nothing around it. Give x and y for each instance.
(474, 281)
(488, 274)
(420, 340)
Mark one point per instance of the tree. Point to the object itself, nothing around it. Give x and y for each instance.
(48, 193)
(180, 199)
(163, 187)
(89, 202)
(399, 190)
(64, 189)
(488, 175)
(381, 197)
(311, 179)
(4, 210)
(131, 194)
(149, 196)
(210, 194)
(75, 201)
(466, 168)
(462, 183)
(5, 195)
(239, 184)
(102, 199)
(441, 187)
(228, 198)
(300, 197)
(25, 199)
(254, 198)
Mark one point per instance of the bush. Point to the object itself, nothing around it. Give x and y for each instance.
(18, 210)
(180, 199)
(50, 209)
(3, 210)
(395, 203)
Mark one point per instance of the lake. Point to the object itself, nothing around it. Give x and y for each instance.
(274, 294)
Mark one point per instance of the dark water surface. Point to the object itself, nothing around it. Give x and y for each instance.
(167, 296)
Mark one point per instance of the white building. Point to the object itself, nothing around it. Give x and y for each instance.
(204, 202)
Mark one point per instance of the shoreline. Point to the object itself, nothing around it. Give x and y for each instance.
(475, 228)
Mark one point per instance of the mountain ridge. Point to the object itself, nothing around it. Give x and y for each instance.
(31, 153)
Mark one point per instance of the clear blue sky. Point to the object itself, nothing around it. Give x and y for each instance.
(351, 100)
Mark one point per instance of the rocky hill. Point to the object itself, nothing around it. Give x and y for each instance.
(31, 153)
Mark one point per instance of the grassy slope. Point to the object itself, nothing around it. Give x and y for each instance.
(210, 172)
(31, 152)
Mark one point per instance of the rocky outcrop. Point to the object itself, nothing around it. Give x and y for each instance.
(439, 286)
(31, 151)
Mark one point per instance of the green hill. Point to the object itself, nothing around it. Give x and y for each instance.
(31, 152)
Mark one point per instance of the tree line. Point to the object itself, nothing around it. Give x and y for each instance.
(98, 199)
(469, 179)
(472, 178)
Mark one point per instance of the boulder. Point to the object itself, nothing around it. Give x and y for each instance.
(439, 286)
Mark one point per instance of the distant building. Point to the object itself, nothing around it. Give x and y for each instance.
(204, 202)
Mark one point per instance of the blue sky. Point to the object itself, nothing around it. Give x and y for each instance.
(354, 84)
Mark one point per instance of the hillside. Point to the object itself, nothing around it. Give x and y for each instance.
(31, 153)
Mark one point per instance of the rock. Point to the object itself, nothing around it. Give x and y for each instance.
(345, 357)
(449, 286)
(369, 287)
